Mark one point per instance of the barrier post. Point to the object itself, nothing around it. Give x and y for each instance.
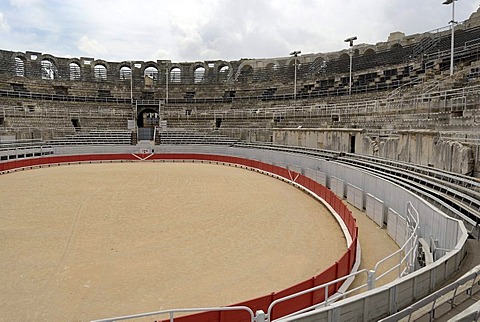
(260, 316)
(371, 279)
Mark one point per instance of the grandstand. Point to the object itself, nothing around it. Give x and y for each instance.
(406, 140)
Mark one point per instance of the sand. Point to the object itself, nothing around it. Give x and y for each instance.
(83, 242)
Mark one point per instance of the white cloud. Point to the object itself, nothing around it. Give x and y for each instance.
(160, 54)
(4, 26)
(91, 46)
(187, 30)
(24, 3)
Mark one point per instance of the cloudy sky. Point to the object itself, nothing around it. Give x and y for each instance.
(197, 30)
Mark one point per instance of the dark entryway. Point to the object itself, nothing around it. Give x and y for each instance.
(352, 143)
(147, 120)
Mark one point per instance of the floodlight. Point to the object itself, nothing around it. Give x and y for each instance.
(350, 40)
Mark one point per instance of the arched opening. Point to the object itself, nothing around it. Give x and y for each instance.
(270, 70)
(100, 72)
(147, 120)
(246, 73)
(151, 72)
(125, 73)
(199, 75)
(49, 70)
(320, 65)
(396, 46)
(175, 75)
(74, 71)
(344, 56)
(369, 52)
(223, 73)
(19, 67)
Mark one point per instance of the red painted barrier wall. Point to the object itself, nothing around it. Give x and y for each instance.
(339, 269)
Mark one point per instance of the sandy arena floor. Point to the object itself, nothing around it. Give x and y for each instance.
(81, 242)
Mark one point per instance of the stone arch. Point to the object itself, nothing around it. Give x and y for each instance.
(19, 66)
(320, 64)
(74, 70)
(125, 72)
(199, 74)
(270, 70)
(224, 72)
(151, 71)
(245, 73)
(100, 71)
(369, 52)
(148, 117)
(344, 56)
(272, 67)
(175, 75)
(49, 69)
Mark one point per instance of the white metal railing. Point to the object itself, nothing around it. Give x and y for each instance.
(408, 249)
(432, 98)
(449, 293)
(171, 313)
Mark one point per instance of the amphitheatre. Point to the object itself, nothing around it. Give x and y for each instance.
(315, 187)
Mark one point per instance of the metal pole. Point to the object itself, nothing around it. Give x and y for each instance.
(350, 41)
(295, 54)
(166, 86)
(295, 80)
(131, 85)
(350, 77)
(453, 38)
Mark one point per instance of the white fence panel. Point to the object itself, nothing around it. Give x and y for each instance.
(355, 196)
(337, 186)
(375, 210)
(312, 174)
(392, 216)
(400, 235)
(322, 178)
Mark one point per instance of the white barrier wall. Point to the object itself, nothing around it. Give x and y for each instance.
(396, 226)
(337, 186)
(375, 210)
(382, 301)
(318, 176)
(355, 196)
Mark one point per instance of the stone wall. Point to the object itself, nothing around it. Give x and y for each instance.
(420, 147)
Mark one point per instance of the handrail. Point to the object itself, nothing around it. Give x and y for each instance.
(412, 240)
(313, 289)
(432, 298)
(172, 313)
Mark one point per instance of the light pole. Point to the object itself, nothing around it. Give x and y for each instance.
(166, 85)
(447, 2)
(131, 83)
(350, 40)
(295, 54)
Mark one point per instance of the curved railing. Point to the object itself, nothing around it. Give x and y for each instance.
(371, 305)
(336, 271)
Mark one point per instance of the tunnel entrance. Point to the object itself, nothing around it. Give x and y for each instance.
(352, 143)
(147, 120)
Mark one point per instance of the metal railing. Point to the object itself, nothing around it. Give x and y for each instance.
(447, 294)
(172, 313)
(408, 249)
